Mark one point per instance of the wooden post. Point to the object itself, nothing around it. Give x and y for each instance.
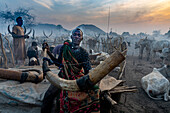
(4, 54)
(12, 56)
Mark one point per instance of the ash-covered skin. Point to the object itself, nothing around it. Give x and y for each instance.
(77, 37)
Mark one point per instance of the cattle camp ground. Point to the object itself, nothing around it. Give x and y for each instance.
(27, 97)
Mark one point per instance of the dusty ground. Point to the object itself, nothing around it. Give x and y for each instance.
(139, 102)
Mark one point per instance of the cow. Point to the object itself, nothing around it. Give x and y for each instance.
(143, 44)
(156, 85)
(128, 43)
(152, 47)
(165, 71)
(158, 46)
(165, 56)
(93, 55)
(33, 61)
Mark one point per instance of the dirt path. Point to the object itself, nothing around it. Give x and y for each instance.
(139, 102)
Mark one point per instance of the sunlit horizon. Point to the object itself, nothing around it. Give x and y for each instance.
(125, 15)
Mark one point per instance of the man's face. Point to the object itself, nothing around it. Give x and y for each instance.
(20, 22)
(77, 37)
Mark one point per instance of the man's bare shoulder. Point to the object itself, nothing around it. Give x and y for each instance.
(16, 27)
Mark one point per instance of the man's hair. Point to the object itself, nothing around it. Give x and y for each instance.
(18, 18)
(34, 43)
(77, 29)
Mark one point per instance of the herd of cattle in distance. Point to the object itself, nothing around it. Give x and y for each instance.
(153, 48)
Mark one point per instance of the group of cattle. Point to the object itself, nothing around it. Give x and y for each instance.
(152, 47)
(156, 83)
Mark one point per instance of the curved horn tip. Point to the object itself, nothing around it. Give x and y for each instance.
(9, 29)
(45, 34)
(25, 30)
(50, 33)
(29, 32)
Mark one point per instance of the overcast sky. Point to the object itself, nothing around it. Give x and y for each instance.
(132, 16)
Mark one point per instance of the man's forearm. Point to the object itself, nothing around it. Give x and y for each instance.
(51, 56)
(55, 60)
(17, 36)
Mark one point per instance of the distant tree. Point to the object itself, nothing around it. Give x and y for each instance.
(9, 16)
(168, 33)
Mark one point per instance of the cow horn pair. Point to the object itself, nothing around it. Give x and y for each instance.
(24, 30)
(49, 34)
(87, 81)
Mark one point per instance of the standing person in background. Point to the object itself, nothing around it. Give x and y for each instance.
(19, 42)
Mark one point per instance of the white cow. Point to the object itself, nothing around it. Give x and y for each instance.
(152, 47)
(102, 56)
(156, 85)
(165, 56)
(158, 46)
(165, 71)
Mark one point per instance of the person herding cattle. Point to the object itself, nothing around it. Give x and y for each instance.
(19, 41)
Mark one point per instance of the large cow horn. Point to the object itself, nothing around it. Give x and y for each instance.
(87, 81)
(29, 32)
(33, 34)
(50, 33)
(45, 34)
(9, 29)
(23, 76)
(25, 30)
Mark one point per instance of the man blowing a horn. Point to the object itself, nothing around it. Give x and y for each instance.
(19, 42)
(74, 63)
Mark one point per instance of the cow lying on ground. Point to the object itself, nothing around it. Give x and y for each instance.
(156, 85)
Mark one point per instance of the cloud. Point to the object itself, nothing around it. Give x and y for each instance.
(46, 3)
(122, 12)
(69, 2)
